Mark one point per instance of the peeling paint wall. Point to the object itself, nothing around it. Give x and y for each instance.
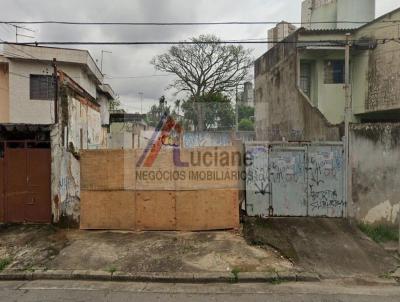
(375, 161)
(79, 128)
(282, 111)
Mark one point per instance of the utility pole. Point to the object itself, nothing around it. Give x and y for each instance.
(237, 110)
(141, 102)
(347, 118)
(55, 79)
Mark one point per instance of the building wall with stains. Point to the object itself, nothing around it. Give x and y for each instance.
(283, 112)
(375, 158)
(378, 69)
(79, 129)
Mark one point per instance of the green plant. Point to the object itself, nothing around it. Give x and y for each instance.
(112, 269)
(380, 233)
(4, 263)
(235, 272)
(246, 125)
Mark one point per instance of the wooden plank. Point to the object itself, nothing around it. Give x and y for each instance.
(107, 170)
(108, 210)
(155, 211)
(207, 210)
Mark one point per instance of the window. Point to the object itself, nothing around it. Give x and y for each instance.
(41, 87)
(334, 72)
(305, 78)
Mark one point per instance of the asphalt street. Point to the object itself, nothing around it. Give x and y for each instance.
(44, 291)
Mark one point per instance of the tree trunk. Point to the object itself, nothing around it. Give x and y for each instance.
(200, 117)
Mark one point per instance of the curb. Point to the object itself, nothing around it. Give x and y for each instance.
(196, 278)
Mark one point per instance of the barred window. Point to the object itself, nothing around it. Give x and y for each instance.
(334, 72)
(41, 87)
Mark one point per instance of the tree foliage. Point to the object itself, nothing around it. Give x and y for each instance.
(205, 68)
(157, 111)
(246, 112)
(218, 111)
(246, 125)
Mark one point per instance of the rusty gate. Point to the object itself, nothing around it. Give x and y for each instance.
(25, 174)
(295, 180)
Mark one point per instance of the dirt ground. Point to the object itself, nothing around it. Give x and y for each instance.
(329, 247)
(46, 247)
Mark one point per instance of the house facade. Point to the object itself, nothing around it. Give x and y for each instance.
(300, 97)
(53, 104)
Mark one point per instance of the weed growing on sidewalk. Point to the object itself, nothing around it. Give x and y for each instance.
(380, 233)
(112, 269)
(4, 263)
(235, 272)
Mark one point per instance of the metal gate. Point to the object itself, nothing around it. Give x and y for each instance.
(326, 180)
(26, 182)
(295, 180)
(257, 181)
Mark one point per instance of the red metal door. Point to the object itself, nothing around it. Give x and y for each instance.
(38, 206)
(27, 179)
(16, 187)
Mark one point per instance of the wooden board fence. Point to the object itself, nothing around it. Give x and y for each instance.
(117, 195)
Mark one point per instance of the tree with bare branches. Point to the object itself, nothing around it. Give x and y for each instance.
(205, 67)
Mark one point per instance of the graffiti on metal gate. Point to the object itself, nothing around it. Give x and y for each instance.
(299, 180)
(326, 199)
(286, 169)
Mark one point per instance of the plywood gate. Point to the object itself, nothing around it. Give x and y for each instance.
(116, 196)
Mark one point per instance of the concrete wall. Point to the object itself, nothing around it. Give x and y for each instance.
(356, 11)
(378, 70)
(83, 121)
(25, 110)
(329, 98)
(337, 10)
(375, 158)
(282, 111)
(76, 119)
(4, 94)
(104, 109)
(206, 139)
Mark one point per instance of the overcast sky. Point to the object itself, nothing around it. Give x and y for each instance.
(134, 61)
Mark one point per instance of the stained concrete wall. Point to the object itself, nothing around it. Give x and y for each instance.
(282, 111)
(375, 162)
(79, 123)
(378, 70)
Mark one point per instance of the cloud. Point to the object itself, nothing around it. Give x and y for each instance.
(135, 60)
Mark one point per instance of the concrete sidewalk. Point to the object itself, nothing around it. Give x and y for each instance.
(45, 252)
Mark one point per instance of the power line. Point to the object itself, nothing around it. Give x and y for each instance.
(336, 42)
(314, 42)
(182, 23)
(136, 77)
